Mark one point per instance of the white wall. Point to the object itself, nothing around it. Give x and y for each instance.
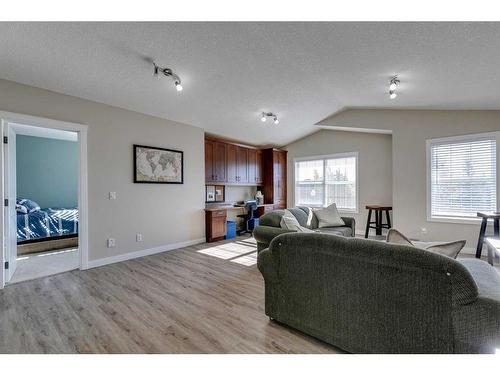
(164, 214)
(374, 164)
(410, 130)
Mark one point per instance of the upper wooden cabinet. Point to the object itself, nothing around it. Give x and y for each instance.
(255, 166)
(242, 165)
(229, 163)
(215, 161)
(232, 169)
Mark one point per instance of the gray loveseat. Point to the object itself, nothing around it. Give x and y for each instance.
(366, 296)
(269, 226)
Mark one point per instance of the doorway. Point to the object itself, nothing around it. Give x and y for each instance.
(44, 182)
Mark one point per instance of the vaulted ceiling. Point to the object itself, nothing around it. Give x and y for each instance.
(231, 72)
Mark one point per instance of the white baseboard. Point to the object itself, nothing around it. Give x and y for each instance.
(142, 253)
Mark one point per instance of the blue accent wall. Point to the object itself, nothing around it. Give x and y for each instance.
(47, 171)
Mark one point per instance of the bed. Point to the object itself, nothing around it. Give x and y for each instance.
(49, 228)
(47, 223)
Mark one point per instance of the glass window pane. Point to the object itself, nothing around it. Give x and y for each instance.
(310, 170)
(341, 183)
(463, 177)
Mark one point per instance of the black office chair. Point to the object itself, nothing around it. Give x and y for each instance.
(250, 208)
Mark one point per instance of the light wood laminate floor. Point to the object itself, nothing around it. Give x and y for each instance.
(201, 299)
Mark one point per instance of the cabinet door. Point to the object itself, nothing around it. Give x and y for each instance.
(252, 166)
(258, 167)
(276, 177)
(219, 165)
(242, 164)
(219, 226)
(209, 161)
(231, 170)
(282, 163)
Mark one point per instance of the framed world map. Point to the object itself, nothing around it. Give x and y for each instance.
(158, 165)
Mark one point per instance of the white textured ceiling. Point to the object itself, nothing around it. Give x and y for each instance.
(231, 72)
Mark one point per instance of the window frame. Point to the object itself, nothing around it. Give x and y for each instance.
(342, 155)
(453, 139)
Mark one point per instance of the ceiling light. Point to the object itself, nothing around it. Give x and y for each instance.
(265, 115)
(393, 85)
(167, 72)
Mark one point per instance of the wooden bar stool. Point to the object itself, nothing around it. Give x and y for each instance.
(495, 216)
(379, 210)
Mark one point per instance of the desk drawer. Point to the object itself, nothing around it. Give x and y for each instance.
(219, 213)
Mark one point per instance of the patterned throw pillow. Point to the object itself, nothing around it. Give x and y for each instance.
(30, 205)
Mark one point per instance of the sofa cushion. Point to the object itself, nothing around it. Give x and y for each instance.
(271, 219)
(340, 231)
(300, 215)
(450, 249)
(312, 220)
(329, 217)
(290, 222)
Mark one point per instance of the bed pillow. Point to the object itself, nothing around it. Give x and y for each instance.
(290, 222)
(329, 217)
(450, 249)
(21, 209)
(30, 205)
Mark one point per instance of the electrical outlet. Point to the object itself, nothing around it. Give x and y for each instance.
(138, 237)
(111, 242)
(112, 195)
(423, 230)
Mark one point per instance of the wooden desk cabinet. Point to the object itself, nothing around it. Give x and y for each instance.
(215, 224)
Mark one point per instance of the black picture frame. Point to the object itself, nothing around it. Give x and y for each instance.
(137, 181)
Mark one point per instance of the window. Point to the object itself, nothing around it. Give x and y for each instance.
(325, 180)
(462, 176)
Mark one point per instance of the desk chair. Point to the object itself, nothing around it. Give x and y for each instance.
(250, 208)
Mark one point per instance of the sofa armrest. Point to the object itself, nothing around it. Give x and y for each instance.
(350, 222)
(266, 266)
(265, 234)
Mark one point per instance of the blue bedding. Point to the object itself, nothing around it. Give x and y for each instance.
(47, 222)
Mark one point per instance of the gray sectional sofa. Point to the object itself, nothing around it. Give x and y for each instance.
(269, 226)
(366, 296)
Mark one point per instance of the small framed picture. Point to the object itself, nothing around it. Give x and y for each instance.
(158, 165)
(210, 193)
(219, 193)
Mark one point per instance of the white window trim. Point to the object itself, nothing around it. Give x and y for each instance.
(354, 154)
(466, 137)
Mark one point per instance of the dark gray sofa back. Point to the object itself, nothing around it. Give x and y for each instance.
(362, 295)
(273, 218)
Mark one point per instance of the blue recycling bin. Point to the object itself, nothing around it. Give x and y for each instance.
(230, 229)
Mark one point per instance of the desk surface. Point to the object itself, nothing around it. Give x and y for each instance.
(230, 207)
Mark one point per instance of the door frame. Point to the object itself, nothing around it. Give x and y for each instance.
(81, 130)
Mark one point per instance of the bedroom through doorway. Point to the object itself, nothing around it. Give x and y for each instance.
(43, 180)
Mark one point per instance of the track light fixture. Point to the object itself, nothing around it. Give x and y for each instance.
(169, 73)
(393, 85)
(265, 115)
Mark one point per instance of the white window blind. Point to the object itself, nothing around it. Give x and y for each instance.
(463, 177)
(328, 180)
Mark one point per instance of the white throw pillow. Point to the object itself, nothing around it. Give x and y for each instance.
(290, 222)
(450, 249)
(329, 217)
